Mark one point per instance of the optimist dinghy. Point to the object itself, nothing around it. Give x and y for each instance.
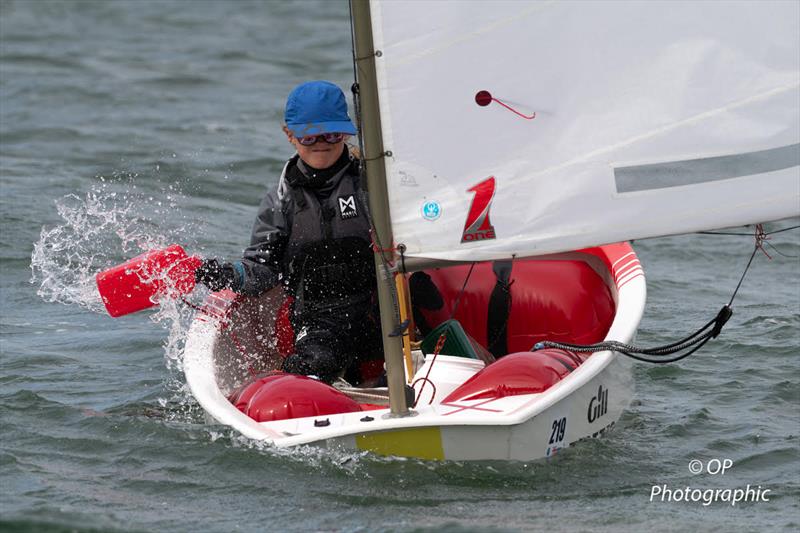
(522, 406)
(514, 140)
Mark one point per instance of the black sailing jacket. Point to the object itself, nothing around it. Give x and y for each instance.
(313, 238)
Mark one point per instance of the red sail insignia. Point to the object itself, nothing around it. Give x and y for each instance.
(478, 227)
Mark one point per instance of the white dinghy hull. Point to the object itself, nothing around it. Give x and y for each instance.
(584, 404)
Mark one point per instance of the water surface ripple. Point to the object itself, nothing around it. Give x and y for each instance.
(130, 123)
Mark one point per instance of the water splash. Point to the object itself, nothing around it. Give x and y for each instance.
(66, 257)
(110, 224)
(96, 232)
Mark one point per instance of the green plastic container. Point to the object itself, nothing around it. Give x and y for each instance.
(457, 343)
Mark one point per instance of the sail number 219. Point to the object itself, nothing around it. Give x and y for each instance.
(559, 428)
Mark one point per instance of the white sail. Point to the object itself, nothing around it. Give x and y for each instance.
(604, 121)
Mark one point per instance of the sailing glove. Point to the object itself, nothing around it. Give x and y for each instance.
(214, 275)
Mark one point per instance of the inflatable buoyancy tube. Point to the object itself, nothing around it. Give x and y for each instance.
(510, 306)
(281, 396)
(518, 373)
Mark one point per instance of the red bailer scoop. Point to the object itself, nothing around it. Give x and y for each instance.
(131, 286)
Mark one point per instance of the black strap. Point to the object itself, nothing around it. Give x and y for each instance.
(499, 309)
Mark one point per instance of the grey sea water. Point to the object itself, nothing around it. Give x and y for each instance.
(126, 124)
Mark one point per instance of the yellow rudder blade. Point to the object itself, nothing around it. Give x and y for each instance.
(422, 443)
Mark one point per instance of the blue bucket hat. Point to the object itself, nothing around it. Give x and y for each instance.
(317, 107)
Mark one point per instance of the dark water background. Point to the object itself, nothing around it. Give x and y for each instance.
(131, 124)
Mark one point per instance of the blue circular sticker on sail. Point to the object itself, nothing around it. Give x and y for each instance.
(431, 210)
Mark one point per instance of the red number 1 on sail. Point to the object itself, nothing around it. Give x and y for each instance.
(478, 227)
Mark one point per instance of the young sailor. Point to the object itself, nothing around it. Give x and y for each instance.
(312, 235)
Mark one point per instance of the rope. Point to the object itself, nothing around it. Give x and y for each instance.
(381, 156)
(526, 117)
(425, 380)
(750, 262)
(377, 248)
(781, 253)
(745, 234)
(439, 344)
(764, 240)
(463, 287)
(484, 98)
(695, 341)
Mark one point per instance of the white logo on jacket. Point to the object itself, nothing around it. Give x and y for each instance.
(347, 207)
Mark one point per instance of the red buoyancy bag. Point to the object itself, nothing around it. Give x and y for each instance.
(132, 286)
(241, 396)
(560, 300)
(282, 396)
(518, 373)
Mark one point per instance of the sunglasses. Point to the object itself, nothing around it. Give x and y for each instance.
(330, 138)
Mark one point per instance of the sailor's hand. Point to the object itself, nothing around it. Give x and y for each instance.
(214, 275)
